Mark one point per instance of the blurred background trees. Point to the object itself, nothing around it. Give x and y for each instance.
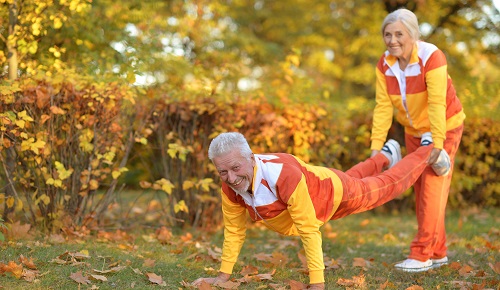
(126, 95)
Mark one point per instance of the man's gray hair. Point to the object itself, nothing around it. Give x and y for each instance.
(227, 142)
(408, 18)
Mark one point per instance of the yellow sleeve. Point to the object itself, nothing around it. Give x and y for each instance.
(303, 214)
(382, 114)
(437, 81)
(235, 218)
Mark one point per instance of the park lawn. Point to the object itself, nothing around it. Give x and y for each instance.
(359, 251)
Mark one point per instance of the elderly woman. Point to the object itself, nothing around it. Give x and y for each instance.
(412, 78)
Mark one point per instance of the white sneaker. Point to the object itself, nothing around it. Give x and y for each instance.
(411, 265)
(436, 263)
(442, 165)
(392, 151)
(426, 139)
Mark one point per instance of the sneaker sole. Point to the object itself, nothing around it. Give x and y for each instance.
(414, 270)
(437, 265)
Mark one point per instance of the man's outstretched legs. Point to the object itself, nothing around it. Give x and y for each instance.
(362, 194)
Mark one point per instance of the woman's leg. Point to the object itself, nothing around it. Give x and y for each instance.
(431, 194)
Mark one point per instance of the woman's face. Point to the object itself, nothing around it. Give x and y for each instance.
(398, 40)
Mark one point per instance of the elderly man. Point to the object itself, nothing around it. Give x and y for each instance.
(294, 198)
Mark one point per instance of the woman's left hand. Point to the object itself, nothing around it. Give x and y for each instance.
(434, 156)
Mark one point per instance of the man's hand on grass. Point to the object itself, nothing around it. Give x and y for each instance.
(223, 277)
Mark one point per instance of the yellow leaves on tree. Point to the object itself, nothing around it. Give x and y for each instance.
(176, 149)
(181, 206)
(62, 174)
(164, 184)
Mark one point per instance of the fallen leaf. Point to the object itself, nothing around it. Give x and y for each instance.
(249, 270)
(163, 235)
(296, 285)
(12, 267)
(495, 267)
(455, 265)
(18, 231)
(277, 286)
(279, 259)
(356, 281)
(204, 286)
(56, 239)
(187, 237)
(30, 275)
(112, 270)
(228, 284)
(149, 263)
(79, 278)
(415, 287)
(365, 222)
(153, 278)
(360, 262)
(465, 270)
(28, 263)
(461, 284)
(99, 277)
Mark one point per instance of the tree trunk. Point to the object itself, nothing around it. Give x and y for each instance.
(10, 158)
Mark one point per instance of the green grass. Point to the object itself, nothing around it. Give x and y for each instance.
(380, 238)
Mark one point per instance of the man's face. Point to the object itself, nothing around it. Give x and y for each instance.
(235, 170)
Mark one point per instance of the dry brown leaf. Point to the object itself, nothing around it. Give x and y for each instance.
(266, 276)
(360, 262)
(356, 281)
(99, 277)
(279, 259)
(455, 265)
(214, 255)
(30, 275)
(415, 287)
(262, 257)
(365, 222)
(277, 286)
(163, 235)
(56, 239)
(461, 284)
(148, 263)
(465, 270)
(79, 256)
(28, 263)
(79, 278)
(156, 279)
(249, 270)
(57, 111)
(12, 267)
(296, 285)
(228, 284)
(204, 286)
(495, 267)
(111, 270)
(187, 237)
(18, 231)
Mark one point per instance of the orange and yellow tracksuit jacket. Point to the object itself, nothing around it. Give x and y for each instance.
(292, 197)
(423, 96)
